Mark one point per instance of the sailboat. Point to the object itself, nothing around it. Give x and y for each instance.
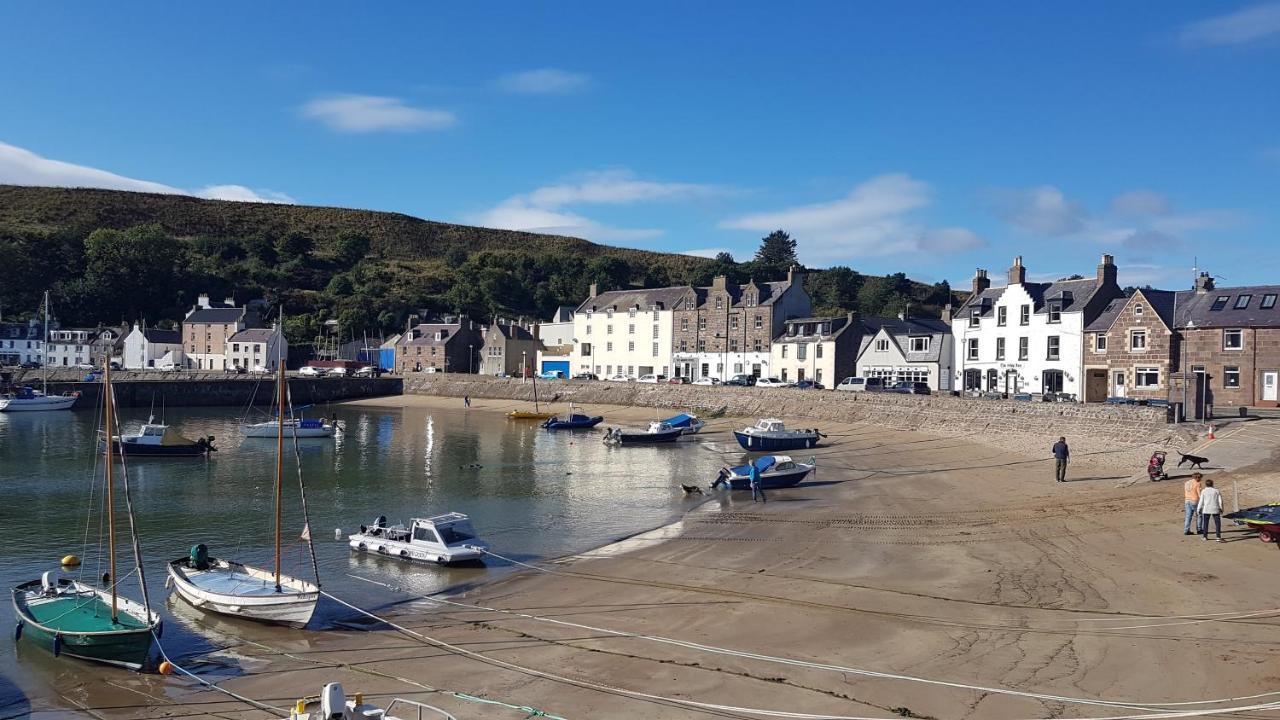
(538, 413)
(80, 620)
(240, 590)
(28, 399)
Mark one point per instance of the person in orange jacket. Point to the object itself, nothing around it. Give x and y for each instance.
(1190, 499)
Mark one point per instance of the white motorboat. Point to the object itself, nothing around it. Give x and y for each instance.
(293, 427)
(332, 704)
(444, 539)
(776, 471)
(231, 588)
(156, 440)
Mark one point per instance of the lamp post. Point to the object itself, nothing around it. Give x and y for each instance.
(524, 369)
(471, 359)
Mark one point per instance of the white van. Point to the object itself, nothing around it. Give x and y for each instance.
(857, 384)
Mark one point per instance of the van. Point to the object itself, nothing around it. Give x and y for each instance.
(857, 384)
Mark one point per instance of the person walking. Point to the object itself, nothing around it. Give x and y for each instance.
(1190, 501)
(1210, 507)
(757, 492)
(1060, 455)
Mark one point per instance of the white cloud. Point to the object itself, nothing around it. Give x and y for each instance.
(19, 166)
(1251, 24)
(544, 209)
(1043, 210)
(1140, 202)
(875, 218)
(544, 81)
(373, 113)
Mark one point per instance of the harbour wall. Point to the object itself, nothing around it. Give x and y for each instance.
(195, 389)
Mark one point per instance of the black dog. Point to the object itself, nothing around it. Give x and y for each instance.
(1195, 460)
(691, 489)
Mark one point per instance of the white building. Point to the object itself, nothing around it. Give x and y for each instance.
(907, 350)
(151, 347)
(69, 347)
(824, 349)
(1027, 337)
(627, 332)
(557, 342)
(258, 348)
(22, 343)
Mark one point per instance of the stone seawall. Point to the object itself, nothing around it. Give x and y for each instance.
(1009, 424)
(141, 389)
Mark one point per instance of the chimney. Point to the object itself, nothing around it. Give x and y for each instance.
(1017, 273)
(719, 282)
(230, 301)
(946, 313)
(594, 290)
(1107, 271)
(795, 275)
(980, 281)
(1204, 283)
(202, 300)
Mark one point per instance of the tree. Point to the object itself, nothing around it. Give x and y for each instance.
(834, 291)
(131, 273)
(294, 246)
(351, 247)
(777, 253)
(609, 272)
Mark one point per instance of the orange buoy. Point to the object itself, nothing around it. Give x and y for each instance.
(166, 668)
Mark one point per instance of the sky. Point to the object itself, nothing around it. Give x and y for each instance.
(930, 138)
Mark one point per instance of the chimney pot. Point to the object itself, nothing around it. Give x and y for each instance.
(1107, 270)
(980, 281)
(1017, 273)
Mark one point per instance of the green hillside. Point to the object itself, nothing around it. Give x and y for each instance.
(111, 256)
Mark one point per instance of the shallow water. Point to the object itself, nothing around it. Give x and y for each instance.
(530, 494)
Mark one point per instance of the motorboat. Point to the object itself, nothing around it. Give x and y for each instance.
(657, 432)
(332, 704)
(28, 399)
(156, 440)
(688, 423)
(293, 427)
(444, 539)
(776, 471)
(231, 588)
(770, 435)
(575, 421)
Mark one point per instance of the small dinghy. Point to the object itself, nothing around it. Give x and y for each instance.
(156, 440)
(688, 423)
(776, 471)
(444, 540)
(575, 421)
(770, 435)
(231, 588)
(657, 432)
(332, 704)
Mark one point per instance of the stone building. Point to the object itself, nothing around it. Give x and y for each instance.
(824, 349)
(1231, 343)
(1131, 349)
(447, 346)
(627, 332)
(509, 348)
(727, 330)
(206, 330)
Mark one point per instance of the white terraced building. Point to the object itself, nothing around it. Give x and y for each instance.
(626, 332)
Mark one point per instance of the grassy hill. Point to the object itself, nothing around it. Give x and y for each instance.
(112, 256)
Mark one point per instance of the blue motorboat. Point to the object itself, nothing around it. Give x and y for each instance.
(575, 421)
(776, 471)
(771, 435)
(689, 424)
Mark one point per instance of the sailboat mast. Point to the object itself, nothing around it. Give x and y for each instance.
(279, 462)
(111, 501)
(535, 393)
(44, 349)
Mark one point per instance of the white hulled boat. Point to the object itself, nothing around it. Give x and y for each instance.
(28, 399)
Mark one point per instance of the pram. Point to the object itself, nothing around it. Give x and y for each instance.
(1155, 467)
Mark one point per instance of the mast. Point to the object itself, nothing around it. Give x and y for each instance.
(111, 503)
(535, 391)
(280, 400)
(44, 349)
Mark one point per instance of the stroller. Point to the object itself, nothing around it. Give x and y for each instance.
(1155, 467)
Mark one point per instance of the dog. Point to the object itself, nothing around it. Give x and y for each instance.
(1195, 460)
(691, 489)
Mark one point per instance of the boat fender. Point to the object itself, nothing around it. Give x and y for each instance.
(159, 629)
(57, 644)
(404, 553)
(168, 583)
(70, 561)
(17, 631)
(364, 529)
(362, 547)
(382, 549)
(166, 668)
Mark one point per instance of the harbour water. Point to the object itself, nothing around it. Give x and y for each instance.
(530, 493)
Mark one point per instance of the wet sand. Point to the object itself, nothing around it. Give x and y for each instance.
(935, 558)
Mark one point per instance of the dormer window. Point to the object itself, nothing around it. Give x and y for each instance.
(1220, 302)
(975, 316)
(1055, 311)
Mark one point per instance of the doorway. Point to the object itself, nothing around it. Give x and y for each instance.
(1052, 381)
(1269, 382)
(1118, 388)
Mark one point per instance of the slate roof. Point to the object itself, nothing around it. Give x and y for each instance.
(1081, 291)
(24, 331)
(1161, 301)
(252, 335)
(215, 316)
(427, 334)
(1197, 307)
(165, 337)
(670, 298)
(902, 330)
(512, 331)
(839, 323)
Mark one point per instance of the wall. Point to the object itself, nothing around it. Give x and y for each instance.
(195, 389)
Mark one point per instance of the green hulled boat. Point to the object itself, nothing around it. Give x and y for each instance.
(70, 617)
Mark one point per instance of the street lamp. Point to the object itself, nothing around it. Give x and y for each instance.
(471, 359)
(524, 368)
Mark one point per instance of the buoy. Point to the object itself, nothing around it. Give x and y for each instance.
(57, 645)
(337, 533)
(1211, 433)
(166, 668)
(17, 631)
(70, 561)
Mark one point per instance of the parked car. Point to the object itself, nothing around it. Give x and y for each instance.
(31, 365)
(551, 375)
(366, 371)
(741, 380)
(678, 381)
(619, 378)
(772, 383)
(168, 367)
(337, 372)
(85, 366)
(115, 365)
(809, 385)
(652, 379)
(857, 384)
(586, 376)
(910, 388)
(260, 369)
(707, 381)
(309, 371)
(237, 369)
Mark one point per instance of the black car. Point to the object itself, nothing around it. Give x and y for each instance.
(909, 388)
(586, 376)
(741, 380)
(809, 385)
(31, 365)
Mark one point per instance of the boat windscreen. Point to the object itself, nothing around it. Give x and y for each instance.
(766, 462)
(456, 533)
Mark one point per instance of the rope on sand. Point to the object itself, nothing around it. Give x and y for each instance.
(212, 686)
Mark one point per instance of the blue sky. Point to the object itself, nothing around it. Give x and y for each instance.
(929, 138)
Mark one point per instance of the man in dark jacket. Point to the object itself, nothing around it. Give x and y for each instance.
(1060, 454)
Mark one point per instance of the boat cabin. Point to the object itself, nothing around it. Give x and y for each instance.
(770, 425)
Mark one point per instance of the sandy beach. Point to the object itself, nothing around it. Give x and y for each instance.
(914, 576)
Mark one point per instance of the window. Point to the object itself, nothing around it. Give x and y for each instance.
(631, 312)
(882, 345)
(608, 329)
(631, 329)
(921, 344)
(1137, 340)
(1242, 301)
(733, 323)
(1268, 301)
(1100, 343)
(757, 345)
(235, 347)
(1137, 311)
(631, 346)
(1000, 348)
(802, 351)
(817, 350)
(1146, 377)
(1002, 316)
(760, 318)
(655, 331)
(586, 349)
(1024, 348)
(1053, 347)
(588, 329)
(684, 346)
(1055, 312)
(784, 351)
(1230, 377)
(974, 316)
(1220, 302)
(702, 346)
(1232, 339)
(1024, 315)
(608, 347)
(733, 345)
(655, 349)
(702, 323)
(973, 348)
(719, 302)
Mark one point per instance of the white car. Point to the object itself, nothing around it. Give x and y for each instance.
(260, 369)
(366, 371)
(309, 371)
(619, 378)
(85, 366)
(772, 383)
(857, 384)
(707, 381)
(337, 372)
(651, 379)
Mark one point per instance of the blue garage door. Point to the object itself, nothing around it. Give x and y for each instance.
(556, 365)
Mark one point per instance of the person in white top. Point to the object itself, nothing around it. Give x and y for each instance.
(1210, 506)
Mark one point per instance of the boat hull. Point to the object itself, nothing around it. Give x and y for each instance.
(574, 424)
(37, 404)
(270, 430)
(79, 625)
(771, 480)
(525, 415)
(129, 449)
(364, 542)
(761, 443)
(242, 591)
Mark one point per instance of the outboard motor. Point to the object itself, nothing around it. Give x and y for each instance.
(333, 702)
(199, 558)
(49, 583)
